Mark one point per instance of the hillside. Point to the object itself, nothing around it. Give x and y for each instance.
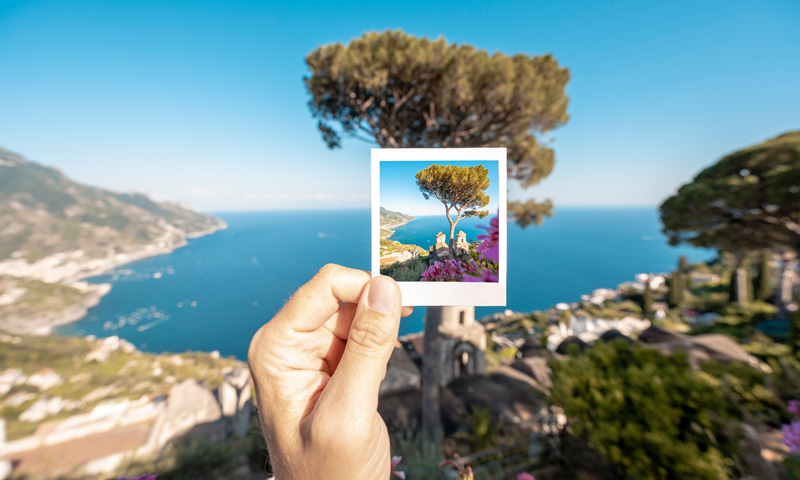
(390, 220)
(42, 212)
(55, 231)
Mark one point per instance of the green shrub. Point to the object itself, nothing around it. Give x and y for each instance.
(421, 456)
(409, 271)
(646, 413)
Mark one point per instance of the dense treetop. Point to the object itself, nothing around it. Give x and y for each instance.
(402, 91)
(749, 199)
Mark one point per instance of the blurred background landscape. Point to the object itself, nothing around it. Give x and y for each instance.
(170, 173)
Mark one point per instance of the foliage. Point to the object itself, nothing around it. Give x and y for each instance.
(410, 271)
(188, 460)
(389, 247)
(683, 267)
(786, 376)
(647, 413)
(402, 91)
(647, 299)
(458, 188)
(255, 447)
(748, 200)
(676, 289)
(752, 312)
(746, 390)
(484, 430)
(484, 269)
(421, 456)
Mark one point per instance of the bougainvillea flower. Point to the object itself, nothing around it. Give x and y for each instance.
(485, 275)
(397, 473)
(490, 247)
(141, 477)
(525, 476)
(447, 271)
(794, 407)
(791, 436)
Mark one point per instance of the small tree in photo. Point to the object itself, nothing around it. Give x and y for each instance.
(458, 188)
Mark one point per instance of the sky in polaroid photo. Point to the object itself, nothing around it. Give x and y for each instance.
(399, 191)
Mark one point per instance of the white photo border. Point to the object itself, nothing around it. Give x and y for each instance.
(488, 294)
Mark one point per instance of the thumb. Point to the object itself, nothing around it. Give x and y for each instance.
(373, 333)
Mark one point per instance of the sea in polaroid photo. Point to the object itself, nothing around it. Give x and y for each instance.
(439, 224)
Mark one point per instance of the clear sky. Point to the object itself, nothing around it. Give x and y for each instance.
(203, 101)
(400, 193)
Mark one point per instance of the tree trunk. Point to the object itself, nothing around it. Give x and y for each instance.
(431, 390)
(452, 238)
(742, 292)
(783, 294)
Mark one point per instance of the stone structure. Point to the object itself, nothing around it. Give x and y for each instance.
(440, 251)
(191, 406)
(463, 344)
(461, 246)
(234, 398)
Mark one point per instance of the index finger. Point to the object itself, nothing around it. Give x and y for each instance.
(316, 301)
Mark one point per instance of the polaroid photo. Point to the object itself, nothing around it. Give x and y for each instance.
(439, 224)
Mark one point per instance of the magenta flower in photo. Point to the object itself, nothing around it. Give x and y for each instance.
(447, 271)
(485, 275)
(490, 247)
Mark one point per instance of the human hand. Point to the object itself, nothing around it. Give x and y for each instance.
(317, 368)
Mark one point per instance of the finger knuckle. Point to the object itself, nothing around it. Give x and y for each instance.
(329, 270)
(369, 334)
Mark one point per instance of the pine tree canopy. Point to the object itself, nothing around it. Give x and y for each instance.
(748, 200)
(398, 90)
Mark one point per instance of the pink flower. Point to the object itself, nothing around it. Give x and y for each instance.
(791, 436)
(485, 275)
(794, 408)
(463, 472)
(447, 271)
(142, 477)
(397, 473)
(525, 476)
(490, 247)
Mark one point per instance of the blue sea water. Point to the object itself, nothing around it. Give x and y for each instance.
(217, 291)
(422, 231)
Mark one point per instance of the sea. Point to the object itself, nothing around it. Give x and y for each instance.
(214, 293)
(422, 230)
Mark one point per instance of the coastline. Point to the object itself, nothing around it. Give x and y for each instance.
(73, 273)
(390, 229)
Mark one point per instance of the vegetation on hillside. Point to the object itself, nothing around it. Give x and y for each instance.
(122, 375)
(43, 212)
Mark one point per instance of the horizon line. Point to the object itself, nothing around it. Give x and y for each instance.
(368, 208)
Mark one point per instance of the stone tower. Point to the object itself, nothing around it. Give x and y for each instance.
(462, 344)
(462, 246)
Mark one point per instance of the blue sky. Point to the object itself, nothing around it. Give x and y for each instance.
(400, 193)
(203, 102)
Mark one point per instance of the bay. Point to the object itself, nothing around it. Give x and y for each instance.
(217, 291)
